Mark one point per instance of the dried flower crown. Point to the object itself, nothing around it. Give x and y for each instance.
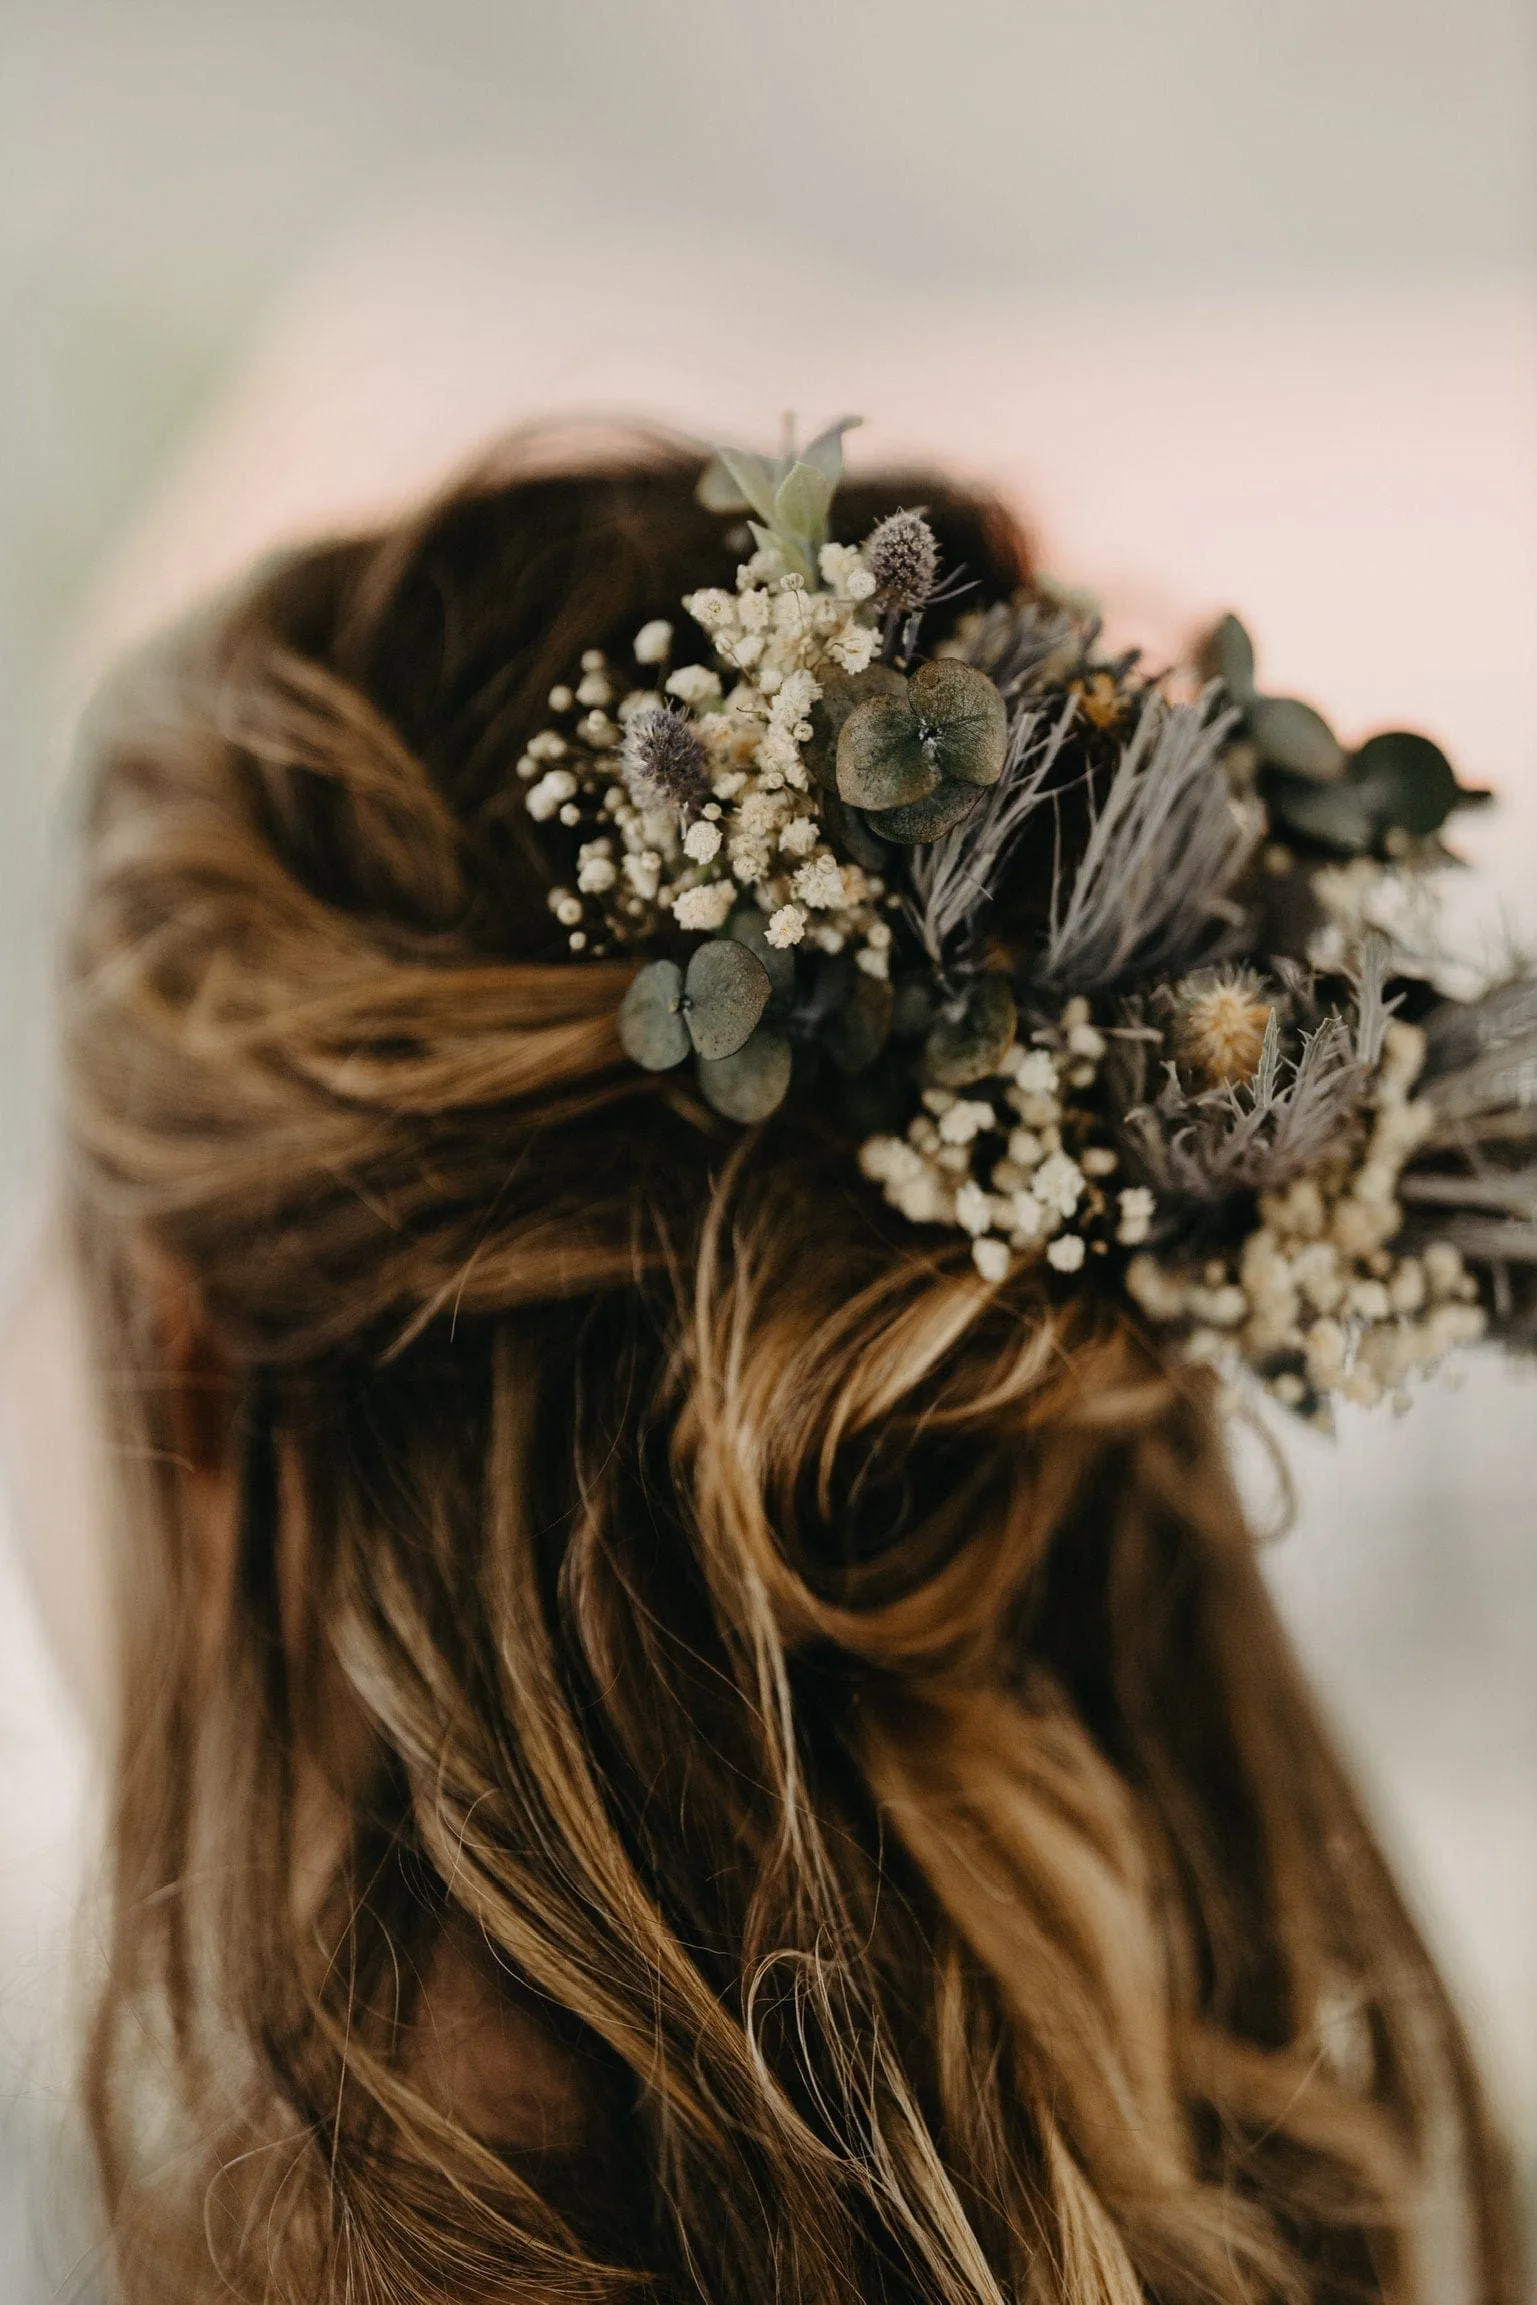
(1122, 978)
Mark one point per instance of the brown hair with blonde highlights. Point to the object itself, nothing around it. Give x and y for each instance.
(726, 1758)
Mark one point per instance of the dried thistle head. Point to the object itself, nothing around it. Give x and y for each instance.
(1220, 1016)
(663, 760)
(902, 554)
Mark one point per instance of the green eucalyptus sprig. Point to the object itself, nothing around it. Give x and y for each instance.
(1396, 787)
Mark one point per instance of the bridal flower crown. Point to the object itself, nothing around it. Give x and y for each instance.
(1131, 979)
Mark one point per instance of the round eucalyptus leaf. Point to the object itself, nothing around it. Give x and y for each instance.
(849, 830)
(1289, 734)
(1407, 781)
(1228, 656)
(748, 926)
(840, 694)
(926, 819)
(725, 992)
(969, 1040)
(750, 1083)
(882, 759)
(964, 718)
(651, 1027)
(856, 1032)
(1337, 816)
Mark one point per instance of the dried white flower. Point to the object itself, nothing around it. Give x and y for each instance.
(702, 841)
(799, 836)
(1066, 1252)
(991, 1259)
(706, 907)
(1058, 1183)
(786, 927)
(1136, 1205)
(973, 1207)
(653, 642)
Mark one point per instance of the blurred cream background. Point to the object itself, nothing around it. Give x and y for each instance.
(1238, 300)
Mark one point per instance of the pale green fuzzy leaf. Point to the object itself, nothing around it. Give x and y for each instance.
(717, 491)
(825, 453)
(801, 503)
(724, 994)
(651, 1027)
(750, 1084)
(754, 477)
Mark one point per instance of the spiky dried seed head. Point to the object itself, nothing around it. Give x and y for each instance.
(1220, 1021)
(902, 553)
(663, 760)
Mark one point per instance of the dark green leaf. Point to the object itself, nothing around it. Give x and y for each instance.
(964, 715)
(724, 994)
(971, 1036)
(748, 926)
(1228, 655)
(1289, 734)
(849, 830)
(1408, 781)
(748, 1085)
(651, 1027)
(881, 759)
(926, 819)
(838, 698)
(855, 1033)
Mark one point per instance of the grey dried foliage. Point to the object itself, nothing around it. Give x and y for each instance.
(1200, 1149)
(1167, 843)
(1474, 1180)
(1017, 642)
(952, 879)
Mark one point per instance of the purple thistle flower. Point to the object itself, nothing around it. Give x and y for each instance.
(663, 761)
(902, 553)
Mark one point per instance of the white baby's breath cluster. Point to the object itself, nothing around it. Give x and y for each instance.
(756, 833)
(1016, 1161)
(1316, 1300)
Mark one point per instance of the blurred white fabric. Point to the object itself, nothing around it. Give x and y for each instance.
(1357, 475)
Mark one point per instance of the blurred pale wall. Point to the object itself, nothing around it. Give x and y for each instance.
(168, 166)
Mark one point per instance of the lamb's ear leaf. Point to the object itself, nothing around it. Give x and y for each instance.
(725, 992)
(923, 820)
(860, 1027)
(1290, 734)
(651, 1027)
(753, 477)
(801, 503)
(1227, 654)
(967, 1044)
(717, 491)
(751, 1083)
(825, 453)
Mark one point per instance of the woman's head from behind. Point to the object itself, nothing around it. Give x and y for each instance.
(670, 1735)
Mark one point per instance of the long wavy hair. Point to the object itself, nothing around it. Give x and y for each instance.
(721, 1757)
